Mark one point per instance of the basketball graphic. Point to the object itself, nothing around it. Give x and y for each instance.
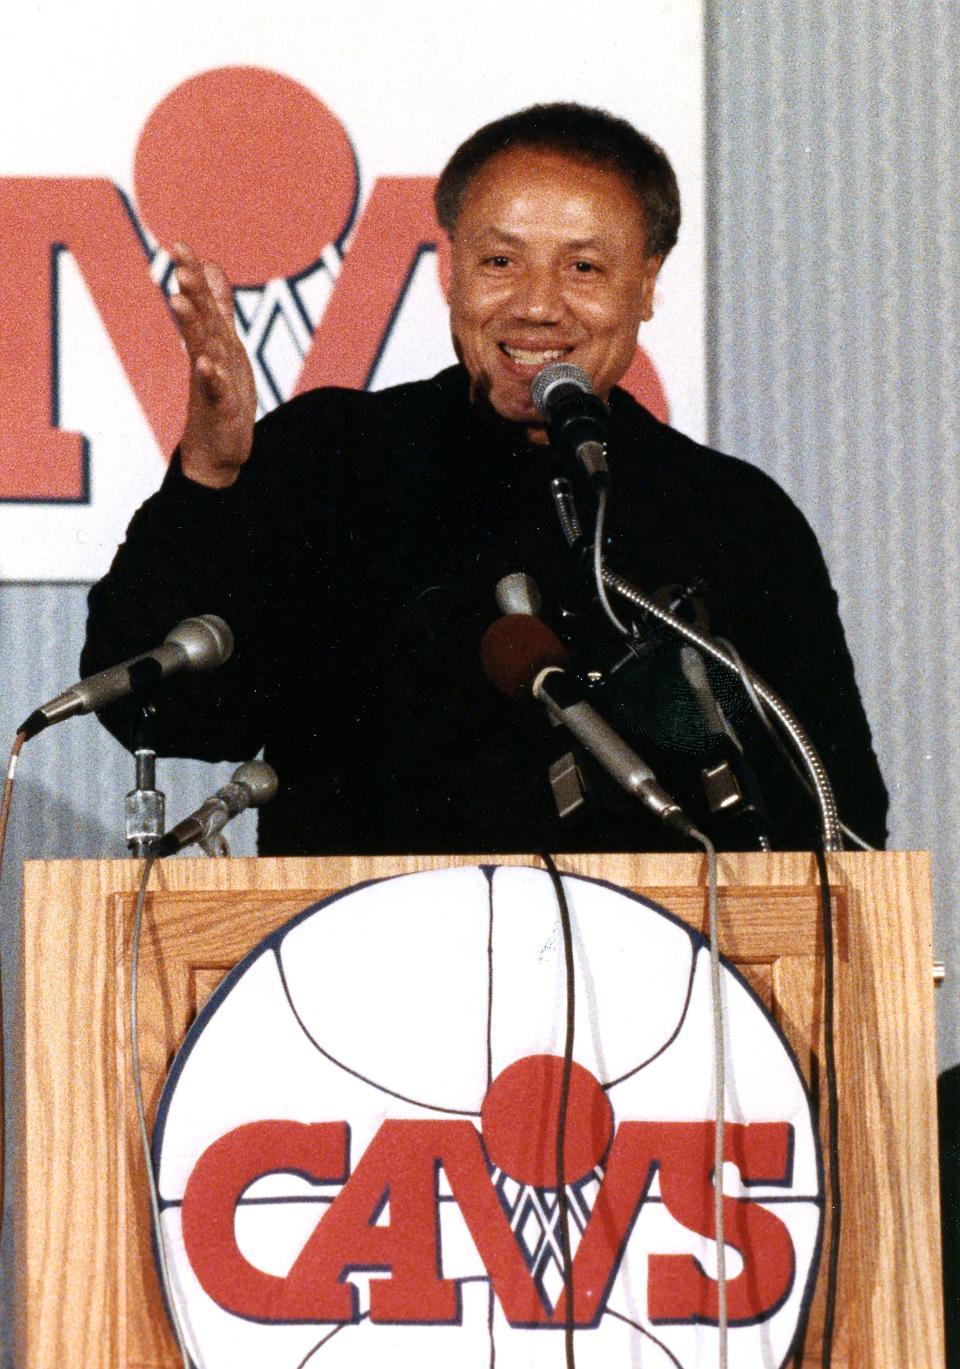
(357, 1146)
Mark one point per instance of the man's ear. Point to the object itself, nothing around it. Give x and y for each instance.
(650, 272)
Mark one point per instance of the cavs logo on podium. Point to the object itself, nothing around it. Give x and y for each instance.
(357, 1147)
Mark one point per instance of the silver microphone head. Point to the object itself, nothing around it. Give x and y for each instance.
(206, 641)
(557, 373)
(518, 593)
(259, 779)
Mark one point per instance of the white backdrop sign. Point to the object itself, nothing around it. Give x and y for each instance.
(298, 145)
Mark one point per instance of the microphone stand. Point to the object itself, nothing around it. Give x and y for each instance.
(145, 804)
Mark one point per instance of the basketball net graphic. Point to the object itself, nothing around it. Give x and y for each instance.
(275, 322)
(534, 1215)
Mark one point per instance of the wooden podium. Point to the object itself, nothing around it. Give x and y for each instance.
(87, 1292)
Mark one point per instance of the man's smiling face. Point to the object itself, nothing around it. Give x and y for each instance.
(550, 263)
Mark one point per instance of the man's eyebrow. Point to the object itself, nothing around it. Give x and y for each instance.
(501, 235)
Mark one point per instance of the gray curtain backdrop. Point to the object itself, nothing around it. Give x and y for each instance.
(834, 264)
(834, 336)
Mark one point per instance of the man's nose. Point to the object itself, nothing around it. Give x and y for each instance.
(538, 297)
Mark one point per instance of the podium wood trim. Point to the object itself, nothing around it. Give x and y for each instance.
(87, 1293)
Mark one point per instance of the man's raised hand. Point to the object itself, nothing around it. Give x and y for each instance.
(223, 401)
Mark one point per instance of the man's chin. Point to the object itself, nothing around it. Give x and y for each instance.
(515, 412)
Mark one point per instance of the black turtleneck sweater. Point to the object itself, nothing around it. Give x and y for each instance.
(356, 559)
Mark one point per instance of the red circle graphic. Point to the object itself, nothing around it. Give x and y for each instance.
(250, 168)
(520, 1118)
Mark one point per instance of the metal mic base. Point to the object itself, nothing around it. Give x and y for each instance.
(145, 806)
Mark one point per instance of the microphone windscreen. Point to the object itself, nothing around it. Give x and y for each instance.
(206, 641)
(518, 593)
(259, 778)
(553, 374)
(515, 649)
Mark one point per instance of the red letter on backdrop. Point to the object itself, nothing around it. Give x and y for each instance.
(397, 223)
(87, 218)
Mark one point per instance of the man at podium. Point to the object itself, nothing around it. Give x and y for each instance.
(354, 543)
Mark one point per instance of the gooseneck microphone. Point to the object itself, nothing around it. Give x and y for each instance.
(251, 784)
(201, 643)
(578, 422)
(523, 657)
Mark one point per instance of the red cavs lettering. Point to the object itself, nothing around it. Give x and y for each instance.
(40, 217)
(401, 1167)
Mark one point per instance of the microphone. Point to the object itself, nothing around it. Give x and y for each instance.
(522, 656)
(578, 423)
(251, 784)
(518, 593)
(201, 643)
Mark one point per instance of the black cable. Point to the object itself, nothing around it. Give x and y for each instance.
(563, 1204)
(833, 1114)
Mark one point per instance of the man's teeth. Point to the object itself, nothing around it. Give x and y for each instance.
(534, 358)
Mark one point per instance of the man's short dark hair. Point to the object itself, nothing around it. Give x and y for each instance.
(589, 135)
